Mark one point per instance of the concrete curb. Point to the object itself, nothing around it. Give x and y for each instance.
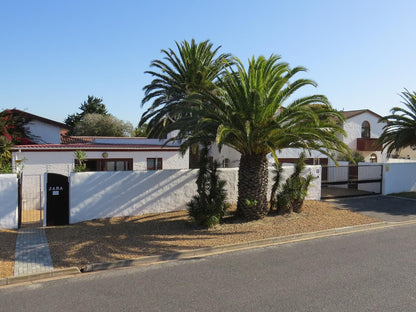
(203, 252)
(39, 276)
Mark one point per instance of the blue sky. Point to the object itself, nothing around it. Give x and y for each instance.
(53, 54)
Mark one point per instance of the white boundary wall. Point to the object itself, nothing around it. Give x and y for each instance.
(96, 195)
(399, 177)
(9, 201)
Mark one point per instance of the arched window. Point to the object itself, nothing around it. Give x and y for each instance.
(373, 158)
(365, 130)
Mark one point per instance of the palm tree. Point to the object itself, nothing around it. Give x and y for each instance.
(400, 130)
(209, 98)
(180, 77)
(255, 113)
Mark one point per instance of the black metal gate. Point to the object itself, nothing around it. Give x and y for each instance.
(351, 180)
(57, 199)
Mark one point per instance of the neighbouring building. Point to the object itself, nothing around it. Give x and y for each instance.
(361, 126)
(43, 130)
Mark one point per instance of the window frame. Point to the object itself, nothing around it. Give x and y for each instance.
(100, 164)
(365, 130)
(158, 163)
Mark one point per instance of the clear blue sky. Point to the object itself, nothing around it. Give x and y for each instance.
(53, 54)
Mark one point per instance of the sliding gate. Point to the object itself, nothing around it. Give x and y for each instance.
(351, 180)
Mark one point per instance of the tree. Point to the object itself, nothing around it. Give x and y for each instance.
(256, 114)
(102, 125)
(241, 109)
(355, 158)
(141, 131)
(400, 130)
(93, 105)
(12, 132)
(194, 70)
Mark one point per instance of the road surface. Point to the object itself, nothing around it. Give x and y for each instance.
(365, 271)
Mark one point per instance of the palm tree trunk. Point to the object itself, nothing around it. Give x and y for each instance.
(252, 187)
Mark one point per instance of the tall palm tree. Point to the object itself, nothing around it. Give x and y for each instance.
(209, 98)
(179, 77)
(400, 130)
(255, 113)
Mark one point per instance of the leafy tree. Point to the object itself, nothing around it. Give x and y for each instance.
(355, 157)
(12, 132)
(400, 130)
(193, 70)
(102, 125)
(93, 105)
(141, 131)
(208, 207)
(5, 155)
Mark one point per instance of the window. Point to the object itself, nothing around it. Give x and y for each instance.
(154, 164)
(108, 164)
(373, 158)
(365, 130)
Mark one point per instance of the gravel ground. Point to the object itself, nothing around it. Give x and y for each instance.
(7, 246)
(106, 240)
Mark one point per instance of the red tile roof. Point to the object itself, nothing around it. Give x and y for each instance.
(93, 147)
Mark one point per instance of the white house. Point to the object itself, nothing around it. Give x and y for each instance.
(102, 154)
(361, 126)
(43, 130)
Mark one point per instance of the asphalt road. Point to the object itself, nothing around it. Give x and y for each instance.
(365, 271)
(385, 208)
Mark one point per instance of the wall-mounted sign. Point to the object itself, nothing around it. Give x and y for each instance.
(55, 190)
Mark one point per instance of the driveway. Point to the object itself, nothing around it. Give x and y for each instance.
(385, 208)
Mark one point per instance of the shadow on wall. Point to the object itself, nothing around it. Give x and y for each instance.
(107, 194)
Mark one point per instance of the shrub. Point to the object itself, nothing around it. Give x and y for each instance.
(208, 206)
(80, 164)
(295, 189)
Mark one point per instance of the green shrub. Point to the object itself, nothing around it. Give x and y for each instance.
(208, 206)
(80, 164)
(294, 190)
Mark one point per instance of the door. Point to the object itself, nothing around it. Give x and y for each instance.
(57, 199)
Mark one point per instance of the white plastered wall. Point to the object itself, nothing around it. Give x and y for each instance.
(399, 177)
(352, 127)
(108, 194)
(8, 203)
(36, 164)
(46, 133)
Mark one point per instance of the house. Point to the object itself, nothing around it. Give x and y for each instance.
(43, 130)
(406, 153)
(362, 129)
(54, 152)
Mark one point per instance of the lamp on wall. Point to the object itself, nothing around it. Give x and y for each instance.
(105, 155)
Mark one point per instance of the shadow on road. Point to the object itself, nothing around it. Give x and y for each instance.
(385, 208)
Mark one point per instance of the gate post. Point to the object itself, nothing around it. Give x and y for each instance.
(19, 201)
